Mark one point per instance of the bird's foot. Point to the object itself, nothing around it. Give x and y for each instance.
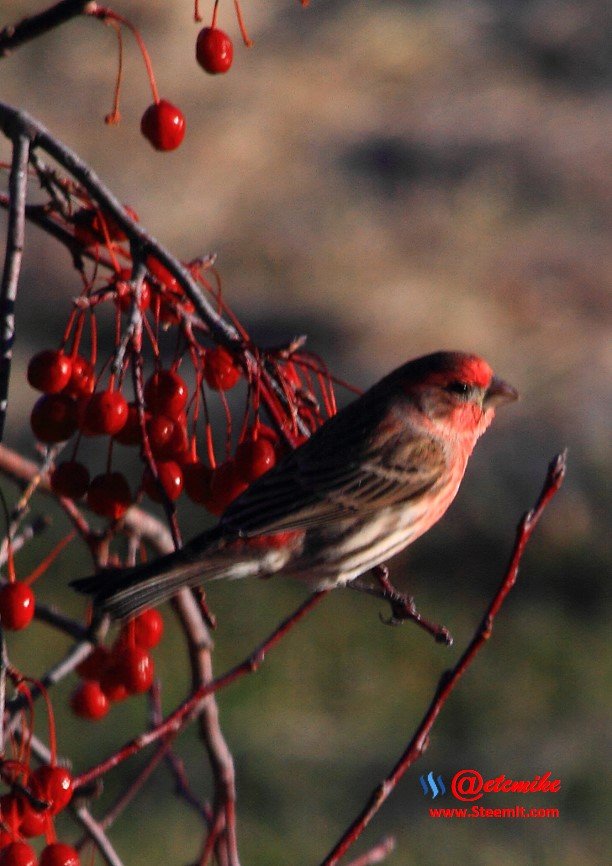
(403, 608)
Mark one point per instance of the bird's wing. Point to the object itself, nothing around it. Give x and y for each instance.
(359, 461)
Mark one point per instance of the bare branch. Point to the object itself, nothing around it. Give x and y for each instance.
(222, 763)
(12, 261)
(96, 832)
(14, 35)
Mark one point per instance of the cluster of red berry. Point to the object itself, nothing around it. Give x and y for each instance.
(70, 404)
(54, 854)
(111, 675)
(62, 411)
(35, 797)
(84, 396)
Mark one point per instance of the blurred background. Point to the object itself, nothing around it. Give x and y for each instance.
(390, 179)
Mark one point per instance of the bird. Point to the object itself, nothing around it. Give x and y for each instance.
(370, 481)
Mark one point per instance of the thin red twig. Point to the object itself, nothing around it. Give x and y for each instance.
(376, 854)
(448, 681)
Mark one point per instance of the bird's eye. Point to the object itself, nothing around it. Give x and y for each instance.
(460, 388)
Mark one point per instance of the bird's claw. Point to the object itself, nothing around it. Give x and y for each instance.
(403, 608)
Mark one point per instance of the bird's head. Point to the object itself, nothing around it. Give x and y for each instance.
(456, 392)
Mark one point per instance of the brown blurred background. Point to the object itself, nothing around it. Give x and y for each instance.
(389, 178)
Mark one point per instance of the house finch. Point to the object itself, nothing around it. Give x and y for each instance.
(366, 484)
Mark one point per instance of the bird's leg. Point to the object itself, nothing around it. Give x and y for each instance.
(402, 606)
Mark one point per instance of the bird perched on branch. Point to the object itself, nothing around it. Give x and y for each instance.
(367, 483)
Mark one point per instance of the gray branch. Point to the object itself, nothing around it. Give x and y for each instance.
(12, 260)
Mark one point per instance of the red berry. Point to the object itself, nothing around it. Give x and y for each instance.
(18, 854)
(93, 226)
(17, 605)
(159, 431)
(54, 418)
(254, 457)
(53, 784)
(220, 370)
(262, 431)
(126, 296)
(166, 393)
(92, 667)
(148, 628)
(33, 823)
(49, 371)
(82, 378)
(226, 484)
(198, 478)
(106, 412)
(171, 478)
(59, 854)
(109, 495)
(173, 442)
(170, 307)
(111, 683)
(163, 125)
(125, 291)
(291, 375)
(130, 433)
(162, 274)
(89, 701)
(135, 669)
(70, 479)
(214, 50)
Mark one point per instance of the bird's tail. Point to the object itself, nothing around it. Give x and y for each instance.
(122, 592)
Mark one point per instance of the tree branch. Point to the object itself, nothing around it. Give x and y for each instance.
(14, 35)
(12, 262)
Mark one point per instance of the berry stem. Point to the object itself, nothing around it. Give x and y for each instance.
(114, 116)
(107, 15)
(213, 23)
(210, 448)
(52, 732)
(74, 313)
(49, 558)
(243, 31)
(93, 337)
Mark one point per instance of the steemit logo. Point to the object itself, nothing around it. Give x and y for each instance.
(432, 786)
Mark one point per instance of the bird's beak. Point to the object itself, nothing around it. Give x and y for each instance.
(498, 393)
